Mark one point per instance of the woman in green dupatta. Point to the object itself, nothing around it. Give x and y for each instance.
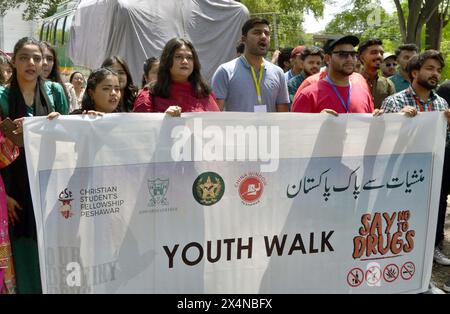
(26, 96)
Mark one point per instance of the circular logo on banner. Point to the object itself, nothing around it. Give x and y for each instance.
(355, 277)
(408, 270)
(251, 188)
(208, 188)
(390, 273)
(373, 275)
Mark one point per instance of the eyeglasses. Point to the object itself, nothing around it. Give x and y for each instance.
(391, 64)
(345, 54)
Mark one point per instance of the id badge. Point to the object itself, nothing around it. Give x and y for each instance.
(260, 108)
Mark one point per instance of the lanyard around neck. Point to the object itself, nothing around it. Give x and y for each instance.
(345, 105)
(422, 109)
(257, 82)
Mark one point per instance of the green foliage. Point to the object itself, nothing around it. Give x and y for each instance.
(288, 15)
(34, 9)
(284, 6)
(367, 21)
(445, 49)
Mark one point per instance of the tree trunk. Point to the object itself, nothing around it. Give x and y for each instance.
(419, 13)
(433, 35)
(401, 19)
(414, 24)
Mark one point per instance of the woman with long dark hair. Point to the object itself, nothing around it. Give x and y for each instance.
(27, 95)
(50, 67)
(179, 84)
(127, 88)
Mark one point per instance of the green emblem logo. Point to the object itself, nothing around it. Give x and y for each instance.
(158, 189)
(208, 188)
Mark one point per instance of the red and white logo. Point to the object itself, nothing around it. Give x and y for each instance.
(251, 187)
(66, 208)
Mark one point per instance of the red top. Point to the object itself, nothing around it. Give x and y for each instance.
(355, 78)
(316, 97)
(181, 94)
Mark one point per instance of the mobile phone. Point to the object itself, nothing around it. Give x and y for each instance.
(7, 127)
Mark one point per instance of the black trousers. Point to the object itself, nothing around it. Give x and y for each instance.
(445, 190)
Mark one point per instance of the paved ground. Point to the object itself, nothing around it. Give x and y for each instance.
(442, 273)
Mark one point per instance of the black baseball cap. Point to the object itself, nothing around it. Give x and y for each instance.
(340, 39)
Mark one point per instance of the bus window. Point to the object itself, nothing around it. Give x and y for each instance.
(69, 20)
(41, 35)
(63, 31)
(49, 32)
(55, 27)
(59, 31)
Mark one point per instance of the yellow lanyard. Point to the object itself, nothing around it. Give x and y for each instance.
(256, 81)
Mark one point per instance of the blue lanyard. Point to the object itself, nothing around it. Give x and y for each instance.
(345, 105)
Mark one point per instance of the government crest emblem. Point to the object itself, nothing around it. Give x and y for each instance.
(158, 189)
(208, 188)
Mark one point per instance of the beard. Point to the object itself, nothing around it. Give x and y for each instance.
(311, 71)
(426, 84)
(345, 70)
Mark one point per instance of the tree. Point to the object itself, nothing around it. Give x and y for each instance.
(419, 13)
(287, 15)
(414, 18)
(34, 9)
(445, 50)
(367, 20)
(435, 26)
(259, 6)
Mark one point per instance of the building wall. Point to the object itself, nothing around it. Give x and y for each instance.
(13, 27)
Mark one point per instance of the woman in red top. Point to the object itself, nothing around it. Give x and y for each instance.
(179, 86)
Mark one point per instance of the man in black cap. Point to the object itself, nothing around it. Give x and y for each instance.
(335, 93)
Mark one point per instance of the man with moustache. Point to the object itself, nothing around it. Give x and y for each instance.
(425, 72)
(250, 83)
(335, 93)
(312, 58)
(371, 56)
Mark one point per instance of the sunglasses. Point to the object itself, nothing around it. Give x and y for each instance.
(345, 54)
(391, 64)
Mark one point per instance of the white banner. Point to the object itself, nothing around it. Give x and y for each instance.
(236, 202)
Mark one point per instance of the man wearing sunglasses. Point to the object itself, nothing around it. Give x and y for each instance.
(389, 64)
(335, 93)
